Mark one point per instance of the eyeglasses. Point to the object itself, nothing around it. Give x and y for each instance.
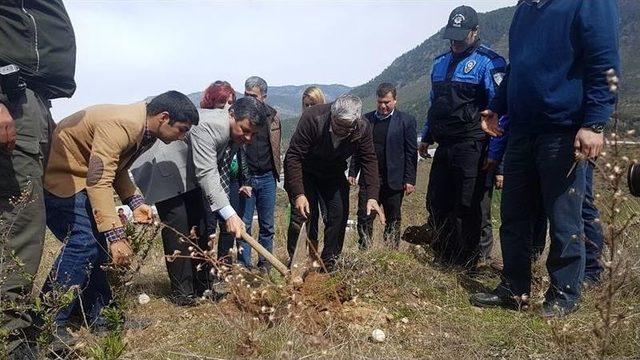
(341, 129)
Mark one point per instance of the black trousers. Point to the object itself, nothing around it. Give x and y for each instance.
(334, 192)
(184, 213)
(486, 228)
(213, 220)
(453, 201)
(391, 201)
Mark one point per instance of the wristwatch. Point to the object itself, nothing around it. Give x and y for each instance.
(596, 128)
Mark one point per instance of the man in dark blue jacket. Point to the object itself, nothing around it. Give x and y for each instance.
(464, 82)
(395, 143)
(558, 102)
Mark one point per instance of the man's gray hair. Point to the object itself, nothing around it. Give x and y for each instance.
(256, 81)
(347, 107)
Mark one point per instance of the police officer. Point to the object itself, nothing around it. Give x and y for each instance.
(37, 63)
(464, 81)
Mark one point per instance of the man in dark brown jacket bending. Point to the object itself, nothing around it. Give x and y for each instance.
(315, 164)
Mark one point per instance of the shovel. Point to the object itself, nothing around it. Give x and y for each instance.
(299, 262)
(300, 259)
(282, 269)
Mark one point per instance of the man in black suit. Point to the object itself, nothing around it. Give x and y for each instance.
(395, 142)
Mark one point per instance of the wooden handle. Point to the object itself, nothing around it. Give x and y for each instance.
(267, 255)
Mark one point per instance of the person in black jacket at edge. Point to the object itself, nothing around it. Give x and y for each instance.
(37, 64)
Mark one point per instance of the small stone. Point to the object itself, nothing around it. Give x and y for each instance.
(378, 336)
(143, 299)
(404, 320)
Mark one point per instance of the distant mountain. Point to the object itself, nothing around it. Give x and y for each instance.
(410, 71)
(287, 100)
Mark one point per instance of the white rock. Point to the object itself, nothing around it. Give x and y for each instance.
(378, 335)
(404, 320)
(143, 299)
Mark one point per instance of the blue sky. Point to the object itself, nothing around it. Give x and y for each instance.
(131, 49)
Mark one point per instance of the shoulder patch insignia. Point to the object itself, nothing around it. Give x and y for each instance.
(497, 78)
(469, 66)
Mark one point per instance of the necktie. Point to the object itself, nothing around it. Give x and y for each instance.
(225, 168)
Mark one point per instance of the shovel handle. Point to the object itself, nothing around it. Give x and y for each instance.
(282, 269)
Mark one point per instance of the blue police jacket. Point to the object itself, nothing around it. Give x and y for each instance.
(461, 87)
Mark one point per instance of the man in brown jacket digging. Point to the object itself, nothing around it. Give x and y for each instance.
(315, 164)
(91, 153)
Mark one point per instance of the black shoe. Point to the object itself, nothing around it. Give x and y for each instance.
(24, 351)
(554, 310)
(183, 300)
(492, 300)
(63, 342)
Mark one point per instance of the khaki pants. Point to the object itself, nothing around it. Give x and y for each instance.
(22, 224)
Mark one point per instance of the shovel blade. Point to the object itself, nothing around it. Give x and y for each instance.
(301, 254)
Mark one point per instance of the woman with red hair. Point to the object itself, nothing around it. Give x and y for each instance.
(219, 95)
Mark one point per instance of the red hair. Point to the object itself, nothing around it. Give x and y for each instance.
(216, 95)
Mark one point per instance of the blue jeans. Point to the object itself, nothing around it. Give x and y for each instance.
(84, 249)
(594, 237)
(542, 164)
(262, 200)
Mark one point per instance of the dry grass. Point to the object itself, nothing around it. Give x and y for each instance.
(423, 310)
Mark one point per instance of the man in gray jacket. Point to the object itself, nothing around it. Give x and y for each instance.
(212, 146)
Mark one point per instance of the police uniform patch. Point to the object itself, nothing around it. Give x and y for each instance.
(457, 20)
(497, 78)
(469, 66)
